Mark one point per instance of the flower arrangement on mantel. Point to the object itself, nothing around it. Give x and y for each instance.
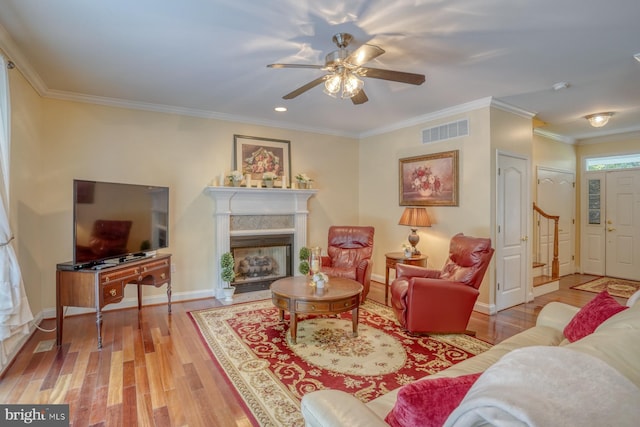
(303, 180)
(269, 178)
(235, 177)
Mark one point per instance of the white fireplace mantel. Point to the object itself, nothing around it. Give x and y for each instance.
(230, 201)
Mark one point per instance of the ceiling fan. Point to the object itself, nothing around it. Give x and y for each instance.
(345, 68)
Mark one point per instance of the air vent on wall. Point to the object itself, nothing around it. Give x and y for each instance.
(446, 131)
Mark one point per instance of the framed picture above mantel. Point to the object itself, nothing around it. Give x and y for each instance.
(429, 180)
(255, 155)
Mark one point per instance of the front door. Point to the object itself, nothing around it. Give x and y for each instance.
(623, 224)
(513, 207)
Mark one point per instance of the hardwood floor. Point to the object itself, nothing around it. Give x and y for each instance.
(154, 370)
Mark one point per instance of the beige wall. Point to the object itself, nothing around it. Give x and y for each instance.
(25, 201)
(56, 141)
(379, 189)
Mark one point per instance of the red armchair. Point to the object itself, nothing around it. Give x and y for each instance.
(441, 301)
(349, 254)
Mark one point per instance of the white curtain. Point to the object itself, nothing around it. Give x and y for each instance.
(15, 313)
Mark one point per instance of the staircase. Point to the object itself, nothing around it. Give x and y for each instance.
(545, 281)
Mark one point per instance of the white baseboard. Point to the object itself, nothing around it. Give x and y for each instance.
(485, 308)
(377, 278)
(546, 288)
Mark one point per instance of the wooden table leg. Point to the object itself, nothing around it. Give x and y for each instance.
(169, 295)
(99, 327)
(59, 312)
(293, 326)
(386, 285)
(354, 321)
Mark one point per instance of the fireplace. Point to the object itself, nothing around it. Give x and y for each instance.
(248, 220)
(260, 260)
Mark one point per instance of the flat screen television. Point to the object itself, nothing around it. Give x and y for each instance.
(113, 221)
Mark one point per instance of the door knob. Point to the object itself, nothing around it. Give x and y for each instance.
(524, 238)
(611, 229)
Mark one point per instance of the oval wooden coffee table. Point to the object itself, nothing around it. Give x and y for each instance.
(297, 295)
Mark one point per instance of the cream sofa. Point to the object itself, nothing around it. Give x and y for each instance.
(616, 342)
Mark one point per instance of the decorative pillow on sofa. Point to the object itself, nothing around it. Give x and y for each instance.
(599, 309)
(429, 402)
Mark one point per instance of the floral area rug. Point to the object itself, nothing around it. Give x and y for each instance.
(271, 374)
(616, 287)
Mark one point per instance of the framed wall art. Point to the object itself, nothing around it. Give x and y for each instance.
(254, 155)
(429, 180)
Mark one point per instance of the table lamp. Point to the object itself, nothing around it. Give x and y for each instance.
(414, 218)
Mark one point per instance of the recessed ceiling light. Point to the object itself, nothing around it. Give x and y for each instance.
(280, 109)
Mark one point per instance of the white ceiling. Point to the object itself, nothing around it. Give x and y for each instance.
(208, 58)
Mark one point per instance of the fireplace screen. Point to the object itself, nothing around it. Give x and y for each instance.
(260, 263)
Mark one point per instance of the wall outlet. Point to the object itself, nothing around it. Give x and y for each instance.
(173, 267)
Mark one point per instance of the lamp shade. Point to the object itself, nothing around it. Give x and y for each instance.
(415, 217)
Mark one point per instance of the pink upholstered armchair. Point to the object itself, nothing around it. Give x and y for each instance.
(441, 301)
(349, 254)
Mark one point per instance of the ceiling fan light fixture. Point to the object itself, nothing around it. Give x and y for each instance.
(332, 85)
(352, 85)
(599, 119)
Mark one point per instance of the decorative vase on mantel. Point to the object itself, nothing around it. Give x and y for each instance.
(302, 185)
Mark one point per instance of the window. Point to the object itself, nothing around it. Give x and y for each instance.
(614, 162)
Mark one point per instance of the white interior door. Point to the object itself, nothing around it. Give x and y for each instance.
(513, 207)
(623, 224)
(556, 196)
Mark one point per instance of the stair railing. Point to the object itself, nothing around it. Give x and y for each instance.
(555, 263)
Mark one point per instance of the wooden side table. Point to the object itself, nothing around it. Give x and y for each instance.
(394, 258)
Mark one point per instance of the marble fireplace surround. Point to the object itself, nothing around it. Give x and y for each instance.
(241, 211)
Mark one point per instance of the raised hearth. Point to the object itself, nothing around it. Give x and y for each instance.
(254, 212)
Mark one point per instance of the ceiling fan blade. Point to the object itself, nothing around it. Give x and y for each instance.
(363, 54)
(316, 67)
(395, 76)
(359, 98)
(303, 89)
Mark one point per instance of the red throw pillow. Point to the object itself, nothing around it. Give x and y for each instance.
(599, 309)
(429, 402)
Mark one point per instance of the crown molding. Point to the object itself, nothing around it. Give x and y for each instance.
(501, 105)
(555, 136)
(623, 135)
(418, 120)
(191, 112)
(10, 49)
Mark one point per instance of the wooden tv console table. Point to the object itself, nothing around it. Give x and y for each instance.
(96, 288)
